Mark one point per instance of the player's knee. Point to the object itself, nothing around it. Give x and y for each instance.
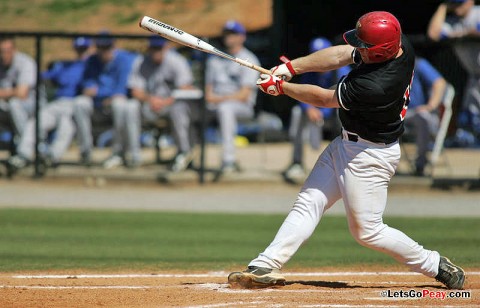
(133, 109)
(119, 103)
(311, 201)
(225, 110)
(82, 103)
(179, 108)
(366, 234)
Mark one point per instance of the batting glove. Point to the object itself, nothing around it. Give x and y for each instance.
(270, 84)
(285, 70)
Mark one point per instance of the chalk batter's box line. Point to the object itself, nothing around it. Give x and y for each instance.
(216, 275)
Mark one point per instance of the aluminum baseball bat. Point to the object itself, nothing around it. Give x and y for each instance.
(181, 37)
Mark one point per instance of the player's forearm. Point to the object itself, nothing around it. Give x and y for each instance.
(311, 94)
(438, 90)
(242, 95)
(324, 60)
(210, 96)
(6, 93)
(21, 91)
(140, 94)
(436, 22)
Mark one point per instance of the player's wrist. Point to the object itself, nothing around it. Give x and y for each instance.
(283, 87)
(289, 65)
(286, 71)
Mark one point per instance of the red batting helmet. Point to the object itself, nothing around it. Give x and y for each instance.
(377, 36)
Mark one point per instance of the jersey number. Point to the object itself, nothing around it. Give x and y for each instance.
(406, 100)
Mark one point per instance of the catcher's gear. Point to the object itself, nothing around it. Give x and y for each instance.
(285, 70)
(377, 36)
(270, 84)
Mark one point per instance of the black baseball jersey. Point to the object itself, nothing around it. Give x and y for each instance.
(374, 97)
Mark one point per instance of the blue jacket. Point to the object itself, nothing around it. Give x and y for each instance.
(109, 78)
(423, 80)
(67, 76)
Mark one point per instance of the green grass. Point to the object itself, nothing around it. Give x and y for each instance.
(65, 239)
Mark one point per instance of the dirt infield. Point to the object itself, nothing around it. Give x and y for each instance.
(305, 288)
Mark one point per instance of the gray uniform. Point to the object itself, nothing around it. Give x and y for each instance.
(157, 80)
(22, 71)
(57, 114)
(226, 77)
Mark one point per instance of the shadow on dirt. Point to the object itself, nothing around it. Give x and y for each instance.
(345, 285)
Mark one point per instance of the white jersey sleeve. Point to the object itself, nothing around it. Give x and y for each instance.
(27, 70)
(183, 72)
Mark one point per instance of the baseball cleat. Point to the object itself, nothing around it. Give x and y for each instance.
(112, 162)
(225, 169)
(15, 163)
(450, 275)
(256, 277)
(294, 172)
(182, 161)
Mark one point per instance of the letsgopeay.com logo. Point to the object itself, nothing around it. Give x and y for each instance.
(156, 22)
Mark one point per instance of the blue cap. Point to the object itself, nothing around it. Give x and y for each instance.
(81, 42)
(156, 41)
(319, 43)
(456, 1)
(234, 26)
(105, 39)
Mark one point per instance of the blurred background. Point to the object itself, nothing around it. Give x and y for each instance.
(274, 28)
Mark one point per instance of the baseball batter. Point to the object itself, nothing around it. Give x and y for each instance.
(358, 165)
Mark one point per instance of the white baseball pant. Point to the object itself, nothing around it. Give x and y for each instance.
(56, 115)
(19, 110)
(358, 172)
(227, 113)
(127, 127)
(83, 111)
(425, 126)
(299, 123)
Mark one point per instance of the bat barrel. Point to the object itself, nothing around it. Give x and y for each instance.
(181, 37)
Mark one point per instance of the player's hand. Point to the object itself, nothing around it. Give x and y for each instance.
(270, 84)
(285, 70)
(158, 103)
(6, 92)
(213, 98)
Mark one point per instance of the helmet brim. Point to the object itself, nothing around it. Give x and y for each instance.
(353, 40)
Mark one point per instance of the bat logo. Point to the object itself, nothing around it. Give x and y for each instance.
(168, 27)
